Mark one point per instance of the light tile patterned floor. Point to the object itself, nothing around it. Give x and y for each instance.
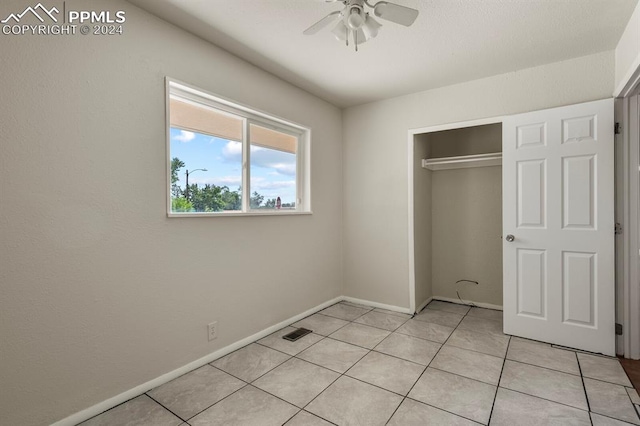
(450, 365)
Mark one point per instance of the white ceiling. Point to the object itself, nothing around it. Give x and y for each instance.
(451, 41)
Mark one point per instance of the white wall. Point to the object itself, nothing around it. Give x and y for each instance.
(375, 241)
(100, 291)
(628, 51)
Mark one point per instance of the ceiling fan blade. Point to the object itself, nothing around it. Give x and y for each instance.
(395, 13)
(321, 23)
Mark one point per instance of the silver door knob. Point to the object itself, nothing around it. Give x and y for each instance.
(510, 238)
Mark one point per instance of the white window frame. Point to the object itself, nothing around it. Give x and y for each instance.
(179, 90)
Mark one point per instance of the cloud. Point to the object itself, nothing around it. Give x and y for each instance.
(281, 163)
(185, 136)
(232, 152)
(283, 184)
(288, 169)
(228, 180)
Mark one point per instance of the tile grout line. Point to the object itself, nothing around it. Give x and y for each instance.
(267, 372)
(545, 399)
(544, 368)
(201, 411)
(629, 396)
(122, 403)
(163, 406)
(465, 377)
(624, 422)
(337, 378)
(369, 350)
(584, 388)
(446, 411)
(476, 351)
(504, 362)
(421, 374)
(427, 367)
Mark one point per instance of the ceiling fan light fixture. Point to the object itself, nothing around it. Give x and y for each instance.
(370, 27)
(354, 22)
(355, 19)
(340, 31)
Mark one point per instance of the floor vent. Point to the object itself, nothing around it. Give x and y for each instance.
(295, 335)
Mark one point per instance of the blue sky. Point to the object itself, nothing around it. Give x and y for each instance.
(273, 173)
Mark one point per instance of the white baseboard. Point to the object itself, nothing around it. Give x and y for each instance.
(94, 410)
(424, 304)
(478, 304)
(377, 305)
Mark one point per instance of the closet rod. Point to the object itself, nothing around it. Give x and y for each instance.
(463, 161)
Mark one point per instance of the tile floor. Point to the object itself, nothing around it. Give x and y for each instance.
(449, 365)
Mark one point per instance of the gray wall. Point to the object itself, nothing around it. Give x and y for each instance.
(467, 230)
(375, 158)
(422, 220)
(100, 291)
(466, 141)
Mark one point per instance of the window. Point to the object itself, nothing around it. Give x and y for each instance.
(226, 159)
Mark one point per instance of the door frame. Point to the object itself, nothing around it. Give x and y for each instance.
(410, 147)
(628, 215)
(627, 206)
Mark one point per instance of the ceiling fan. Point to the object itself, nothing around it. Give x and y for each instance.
(355, 22)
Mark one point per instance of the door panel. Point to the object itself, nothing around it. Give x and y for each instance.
(578, 192)
(578, 285)
(531, 188)
(558, 203)
(532, 282)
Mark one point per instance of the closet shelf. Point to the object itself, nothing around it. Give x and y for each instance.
(463, 161)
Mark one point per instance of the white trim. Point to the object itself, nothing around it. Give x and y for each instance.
(633, 329)
(424, 304)
(377, 305)
(630, 81)
(410, 225)
(241, 214)
(630, 217)
(167, 120)
(410, 146)
(478, 304)
(620, 199)
(103, 406)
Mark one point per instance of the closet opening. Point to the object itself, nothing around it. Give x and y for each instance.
(456, 184)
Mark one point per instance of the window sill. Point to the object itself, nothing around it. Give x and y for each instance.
(240, 214)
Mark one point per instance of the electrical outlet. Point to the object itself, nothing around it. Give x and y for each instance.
(213, 330)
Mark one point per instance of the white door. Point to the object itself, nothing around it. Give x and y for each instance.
(558, 204)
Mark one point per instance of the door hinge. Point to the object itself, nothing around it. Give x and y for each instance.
(618, 228)
(618, 329)
(617, 128)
